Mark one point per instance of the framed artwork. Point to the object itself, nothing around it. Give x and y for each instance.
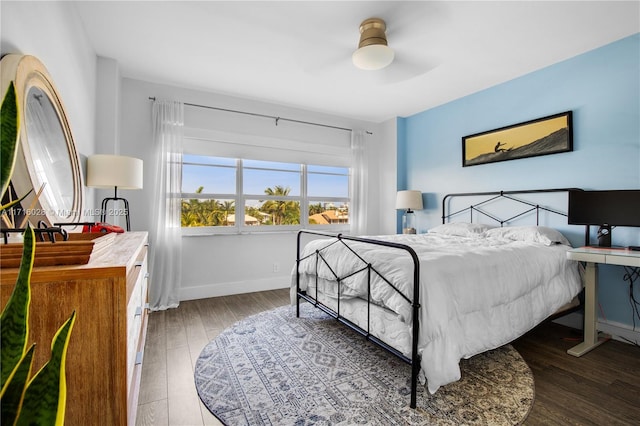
(546, 135)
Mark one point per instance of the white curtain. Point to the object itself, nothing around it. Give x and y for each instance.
(358, 208)
(166, 239)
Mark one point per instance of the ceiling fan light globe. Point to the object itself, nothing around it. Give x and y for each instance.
(373, 57)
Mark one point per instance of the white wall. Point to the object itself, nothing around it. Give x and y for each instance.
(386, 155)
(108, 114)
(228, 264)
(51, 31)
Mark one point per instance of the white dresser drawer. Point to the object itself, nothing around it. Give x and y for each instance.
(136, 310)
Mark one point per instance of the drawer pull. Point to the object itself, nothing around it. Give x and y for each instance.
(138, 311)
(139, 263)
(139, 358)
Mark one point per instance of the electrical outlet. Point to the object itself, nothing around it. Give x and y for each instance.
(276, 267)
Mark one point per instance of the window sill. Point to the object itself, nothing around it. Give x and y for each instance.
(209, 233)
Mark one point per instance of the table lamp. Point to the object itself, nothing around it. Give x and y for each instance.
(409, 200)
(114, 171)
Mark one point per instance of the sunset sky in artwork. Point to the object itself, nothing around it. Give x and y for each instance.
(512, 138)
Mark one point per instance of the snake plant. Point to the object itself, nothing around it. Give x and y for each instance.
(26, 400)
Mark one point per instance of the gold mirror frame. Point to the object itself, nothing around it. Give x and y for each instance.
(36, 162)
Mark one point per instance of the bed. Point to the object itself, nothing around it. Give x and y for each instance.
(460, 289)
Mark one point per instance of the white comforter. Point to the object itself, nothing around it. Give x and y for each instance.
(476, 294)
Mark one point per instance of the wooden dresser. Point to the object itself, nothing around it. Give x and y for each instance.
(104, 359)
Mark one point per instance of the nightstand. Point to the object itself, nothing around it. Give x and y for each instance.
(594, 256)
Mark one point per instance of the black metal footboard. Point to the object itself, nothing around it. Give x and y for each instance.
(369, 269)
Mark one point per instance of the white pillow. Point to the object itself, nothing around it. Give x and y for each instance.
(461, 229)
(532, 234)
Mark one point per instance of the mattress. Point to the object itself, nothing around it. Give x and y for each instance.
(476, 292)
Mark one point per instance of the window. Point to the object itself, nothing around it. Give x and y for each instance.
(272, 192)
(327, 195)
(226, 195)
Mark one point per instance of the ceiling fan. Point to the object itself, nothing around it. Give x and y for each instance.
(405, 60)
(394, 44)
(373, 52)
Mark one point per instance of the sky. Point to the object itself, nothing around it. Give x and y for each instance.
(218, 176)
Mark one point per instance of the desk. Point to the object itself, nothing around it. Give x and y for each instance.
(594, 256)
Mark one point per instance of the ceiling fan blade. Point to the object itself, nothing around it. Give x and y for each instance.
(319, 62)
(403, 69)
(407, 19)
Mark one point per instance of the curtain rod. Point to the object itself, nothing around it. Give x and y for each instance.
(273, 117)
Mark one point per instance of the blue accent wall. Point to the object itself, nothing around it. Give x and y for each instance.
(601, 87)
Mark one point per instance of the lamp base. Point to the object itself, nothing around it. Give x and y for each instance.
(604, 236)
(408, 222)
(105, 204)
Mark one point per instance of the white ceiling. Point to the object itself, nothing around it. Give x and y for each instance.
(299, 53)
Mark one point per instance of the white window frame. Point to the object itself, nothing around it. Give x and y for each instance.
(240, 199)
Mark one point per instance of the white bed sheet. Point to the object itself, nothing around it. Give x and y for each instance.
(476, 294)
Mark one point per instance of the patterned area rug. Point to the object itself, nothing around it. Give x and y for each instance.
(276, 369)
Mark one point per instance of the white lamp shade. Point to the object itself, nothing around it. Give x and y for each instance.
(409, 200)
(109, 171)
(373, 57)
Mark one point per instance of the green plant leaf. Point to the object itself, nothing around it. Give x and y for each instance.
(14, 331)
(14, 202)
(16, 384)
(8, 135)
(46, 395)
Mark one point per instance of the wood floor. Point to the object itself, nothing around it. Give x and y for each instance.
(600, 388)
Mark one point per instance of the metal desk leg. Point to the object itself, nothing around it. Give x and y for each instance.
(592, 338)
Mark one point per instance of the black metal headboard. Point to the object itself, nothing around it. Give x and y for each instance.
(527, 207)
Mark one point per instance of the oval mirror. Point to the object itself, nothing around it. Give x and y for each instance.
(47, 160)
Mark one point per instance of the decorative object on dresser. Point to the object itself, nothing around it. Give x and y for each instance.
(114, 171)
(409, 200)
(546, 135)
(49, 254)
(274, 368)
(109, 295)
(46, 151)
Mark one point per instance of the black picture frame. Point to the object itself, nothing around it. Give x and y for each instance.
(543, 136)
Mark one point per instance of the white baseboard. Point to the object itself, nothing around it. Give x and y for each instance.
(238, 287)
(618, 331)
